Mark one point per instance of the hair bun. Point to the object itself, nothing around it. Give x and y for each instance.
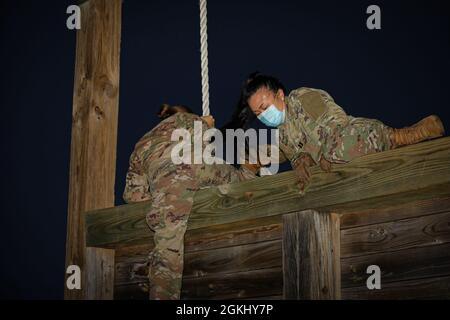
(164, 111)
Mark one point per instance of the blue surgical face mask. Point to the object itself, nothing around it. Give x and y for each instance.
(272, 117)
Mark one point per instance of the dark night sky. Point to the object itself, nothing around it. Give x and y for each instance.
(398, 75)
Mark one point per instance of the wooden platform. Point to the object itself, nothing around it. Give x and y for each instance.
(391, 209)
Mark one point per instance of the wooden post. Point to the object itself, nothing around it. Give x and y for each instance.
(94, 124)
(311, 256)
(99, 274)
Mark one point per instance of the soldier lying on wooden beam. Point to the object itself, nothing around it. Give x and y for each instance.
(314, 129)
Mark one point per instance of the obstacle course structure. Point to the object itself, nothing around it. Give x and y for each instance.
(260, 238)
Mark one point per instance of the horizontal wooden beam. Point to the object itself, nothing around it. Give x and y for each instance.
(397, 176)
(418, 231)
(416, 289)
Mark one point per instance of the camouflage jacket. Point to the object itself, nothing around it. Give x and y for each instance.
(310, 116)
(152, 155)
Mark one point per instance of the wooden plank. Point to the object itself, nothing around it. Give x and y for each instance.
(133, 291)
(218, 236)
(241, 258)
(223, 234)
(99, 274)
(127, 262)
(275, 297)
(414, 263)
(428, 288)
(311, 262)
(396, 235)
(201, 263)
(397, 212)
(261, 255)
(94, 123)
(201, 240)
(393, 177)
(239, 285)
(234, 234)
(255, 285)
(207, 243)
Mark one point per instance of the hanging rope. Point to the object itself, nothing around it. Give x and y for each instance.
(204, 57)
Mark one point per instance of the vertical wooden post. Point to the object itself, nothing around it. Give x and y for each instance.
(99, 274)
(94, 124)
(311, 256)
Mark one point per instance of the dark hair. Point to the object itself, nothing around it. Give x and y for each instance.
(167, 110)
(242, 115)
(261, 81)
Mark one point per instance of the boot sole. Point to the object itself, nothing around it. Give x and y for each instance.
(434, 127)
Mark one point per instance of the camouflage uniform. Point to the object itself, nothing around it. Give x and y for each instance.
(316, 125)
(153, 176)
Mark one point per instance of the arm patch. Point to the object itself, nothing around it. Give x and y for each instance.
(313, 104)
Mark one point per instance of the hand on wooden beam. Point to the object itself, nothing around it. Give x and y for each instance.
(325, 165)
(301, 168)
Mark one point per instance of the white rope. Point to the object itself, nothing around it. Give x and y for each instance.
(204, 57)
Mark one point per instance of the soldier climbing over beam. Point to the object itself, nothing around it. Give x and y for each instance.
(152, 175)
(313, 128)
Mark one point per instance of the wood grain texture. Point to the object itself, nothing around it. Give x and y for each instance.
(233, 234)
(94, 123)
(99, 274)
(428, 288)
(311, 261)
(239, 285)
(398, 176)
(243, 249)
(396, 212)
(241, 258)
(409, 264)
(203, 245)
(131, 291)
(197, 264)
(396, 235)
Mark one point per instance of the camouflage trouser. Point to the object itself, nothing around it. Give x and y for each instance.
(359, 137)
(172, 192)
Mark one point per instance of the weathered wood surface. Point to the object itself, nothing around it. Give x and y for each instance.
(396, 235)
(211, 255)
(398, 176)
(394, 213)
(410, 243)
(238, 285)
(414, 263)
(99, 274)
(233, 234)
(254, 243)
(428, 288)
(94, 123)
(311, 260)
(218, 251)
(132, 291)
(197, 264)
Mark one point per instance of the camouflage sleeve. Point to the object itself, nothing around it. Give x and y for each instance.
(136, 184)
(333, 120)
(334, 115)
(268, 153)
(321, 107)
(323, 117)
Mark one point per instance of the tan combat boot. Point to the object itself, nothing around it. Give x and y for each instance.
(427, 128)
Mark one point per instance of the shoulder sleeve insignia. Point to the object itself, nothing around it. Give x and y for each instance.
(313, 104)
